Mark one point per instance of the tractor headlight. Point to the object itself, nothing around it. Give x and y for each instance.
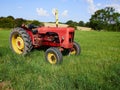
(63, 38)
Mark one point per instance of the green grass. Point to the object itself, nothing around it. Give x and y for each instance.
(97, 68)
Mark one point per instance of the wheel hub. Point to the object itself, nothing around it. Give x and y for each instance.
(19, 43)
(73, 51)
(52, 58)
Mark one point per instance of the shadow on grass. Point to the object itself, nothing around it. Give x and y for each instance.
(2, 51)
(0, 54)
(44, 48)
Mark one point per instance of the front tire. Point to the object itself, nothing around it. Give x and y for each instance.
(53, 55)
(20, 41)
(76, 50)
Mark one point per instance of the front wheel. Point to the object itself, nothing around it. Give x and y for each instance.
(76, 50)
(53, 55)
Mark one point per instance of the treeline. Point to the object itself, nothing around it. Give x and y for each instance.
(11, 22)
(106, 19)
(74, 24)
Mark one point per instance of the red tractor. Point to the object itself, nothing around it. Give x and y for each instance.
(23, 39)
(58, 39)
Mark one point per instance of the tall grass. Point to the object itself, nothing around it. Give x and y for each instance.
(97, 68)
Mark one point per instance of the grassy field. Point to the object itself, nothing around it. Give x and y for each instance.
(97, 68)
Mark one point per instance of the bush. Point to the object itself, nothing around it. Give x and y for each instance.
(11, 22)
(71, 23)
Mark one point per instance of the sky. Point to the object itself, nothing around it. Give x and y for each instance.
(42, 10)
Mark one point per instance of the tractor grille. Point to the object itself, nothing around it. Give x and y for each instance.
(71, 37)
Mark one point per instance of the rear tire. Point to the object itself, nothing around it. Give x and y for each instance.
(53, 55)
(20, 41)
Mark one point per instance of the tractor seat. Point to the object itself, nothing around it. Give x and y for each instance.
(32, 26)
(34, 31)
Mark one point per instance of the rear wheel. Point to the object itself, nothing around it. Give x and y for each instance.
(53, 55)
(76, 50)
(20, 41)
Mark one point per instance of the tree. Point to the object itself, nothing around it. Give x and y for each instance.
(37, 23)
(96, 21)
(81, 23)
(106, 19)
(6, 22)
(19, 22)
(87, 24)
(10, 17)
(71, 23)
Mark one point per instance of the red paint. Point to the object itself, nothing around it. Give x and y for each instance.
(52, 36)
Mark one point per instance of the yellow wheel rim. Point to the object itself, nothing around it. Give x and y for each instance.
(17, 43)
(73, 52)
(52, 58)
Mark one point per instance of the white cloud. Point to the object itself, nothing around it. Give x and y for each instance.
(90, 1)
(65, 13)
(91, 8)
(42, 12)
